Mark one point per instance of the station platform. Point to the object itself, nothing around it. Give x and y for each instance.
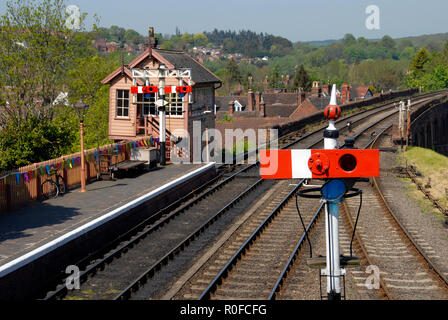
(32, 232)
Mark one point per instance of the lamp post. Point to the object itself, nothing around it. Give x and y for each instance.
(81, 108)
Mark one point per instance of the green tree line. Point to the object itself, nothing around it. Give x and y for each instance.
(384, 64)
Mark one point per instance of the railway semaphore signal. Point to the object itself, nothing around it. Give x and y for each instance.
(340, 169)
(160, 91)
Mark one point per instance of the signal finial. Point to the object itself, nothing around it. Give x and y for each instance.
(332, 111)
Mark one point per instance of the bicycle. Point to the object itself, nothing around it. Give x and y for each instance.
(52, 188)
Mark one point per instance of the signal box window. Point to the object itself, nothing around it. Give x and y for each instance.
(148, 104)
(123, 103)
(175, 106)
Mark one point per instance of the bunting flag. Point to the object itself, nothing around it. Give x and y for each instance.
(96, 156)
(133, 144)
(48, 169)
(18, 178)
(69, 163)
(25, 176)
(42, 172)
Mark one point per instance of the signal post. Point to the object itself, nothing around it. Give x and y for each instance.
(162, 73)
(340, 169)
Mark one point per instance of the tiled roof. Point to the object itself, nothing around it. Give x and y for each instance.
(358, 91)
(280, 98)
(179, 59)
(173, 59)
(280, 110)
(222, 103)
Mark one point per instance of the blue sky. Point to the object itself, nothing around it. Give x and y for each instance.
(297, 20)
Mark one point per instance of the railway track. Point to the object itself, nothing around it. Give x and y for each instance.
(108, 277)
(358, 278)
(406, 270)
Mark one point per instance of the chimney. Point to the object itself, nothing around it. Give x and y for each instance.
(316, 90)
(250, 100)
(326, 89)
(345, 93)
(231, 107)
(301, 97)
(262, 108)
(152, 42)
(258, 98)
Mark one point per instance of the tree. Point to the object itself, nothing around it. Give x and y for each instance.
(200, 40)
(36, 49)
(274, 79)
(302, 79)
(418, 63)
(85, 84)
(33, 140)
(233, 73)
(388, 43)
(132, 36)
(117, 33)
(187, 38)
(348, 39)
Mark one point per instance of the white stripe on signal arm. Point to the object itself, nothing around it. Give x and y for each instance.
(299, 160)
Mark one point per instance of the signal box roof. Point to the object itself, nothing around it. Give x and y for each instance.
(173, 60)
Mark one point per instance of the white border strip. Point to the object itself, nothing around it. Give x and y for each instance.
(52, 245)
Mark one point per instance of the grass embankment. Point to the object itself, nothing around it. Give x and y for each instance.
(434, 168)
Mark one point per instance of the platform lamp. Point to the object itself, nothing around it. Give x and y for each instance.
(81, 109)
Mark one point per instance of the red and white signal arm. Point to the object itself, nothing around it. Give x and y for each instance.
(170, 89)
(309, 163)
(144, 89)
(183, 89)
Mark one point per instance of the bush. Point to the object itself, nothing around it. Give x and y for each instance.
(33, 140)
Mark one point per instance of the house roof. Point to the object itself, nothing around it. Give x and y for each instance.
(290, 99)
(222, 103)
(322, 102)
(359, 91)
(172, 59)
